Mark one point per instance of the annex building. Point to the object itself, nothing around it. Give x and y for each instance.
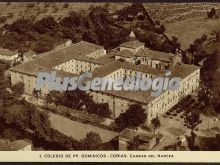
(126, 60)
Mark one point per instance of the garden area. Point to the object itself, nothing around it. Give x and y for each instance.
(81, 116)
(184, 109)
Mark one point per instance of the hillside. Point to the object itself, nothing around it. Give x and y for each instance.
(174, 12)
(190, 29)
(38, 10)
(97, 25)
(165, 12)
(186, 21)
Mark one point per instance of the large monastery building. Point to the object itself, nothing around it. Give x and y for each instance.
(125, 61)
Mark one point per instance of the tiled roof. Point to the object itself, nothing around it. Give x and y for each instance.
(137, 96)
(125, 53)
(46, 61)
(116, 65)
(141, 68)
(106, 59)
(156, 55)
(183, 70)
(132, 44)
(107, 69)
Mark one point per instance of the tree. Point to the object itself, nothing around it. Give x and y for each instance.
(42, 46)
(211, 13)
(155, 123)
(191, 141)
(66, 5)
(205, 95)
(175, 44)
(56, 97)
(103, 110)
(192, 119)
(162, 29)
(36, 93)
(3, 19)
(92, 141)
(18, 89)
(49, 99)
(71, 21)
(216, 34)
(204, 37)
(46, 25)
(76, 99)
(209, 112)
(21, 26)
(133, 117)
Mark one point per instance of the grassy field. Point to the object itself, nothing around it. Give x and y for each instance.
(78, 130)
(173, 12)
(190, 29)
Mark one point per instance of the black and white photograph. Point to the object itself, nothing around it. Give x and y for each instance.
(103, 76)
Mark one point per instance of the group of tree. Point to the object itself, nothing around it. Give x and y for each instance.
(5, 97)
(196, 51)
(92, 141)
(205, 52)
(205, 143)
(132, 12)
(47, 33)
(133, 117)
(24, 116)
(78, 100)
(16, 113)
(155, 123)
(209, 67)
(97, 27)
(148, 31)
(155, 41)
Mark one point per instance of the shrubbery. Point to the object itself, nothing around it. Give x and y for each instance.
(133, 117)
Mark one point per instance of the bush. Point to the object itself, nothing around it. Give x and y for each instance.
(211, 13)
(168, 113)
(66, 5)
(12, 134)
(30, 5)
(3, 19)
